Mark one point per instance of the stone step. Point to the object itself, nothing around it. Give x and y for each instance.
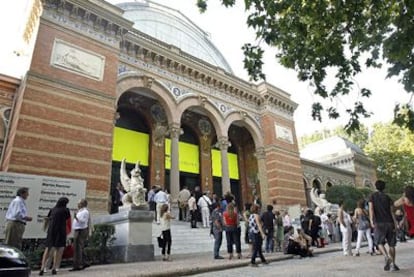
(187, 240)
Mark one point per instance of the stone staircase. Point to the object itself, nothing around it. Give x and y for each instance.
(187, 240)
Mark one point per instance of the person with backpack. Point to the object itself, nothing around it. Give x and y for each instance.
(364, 229)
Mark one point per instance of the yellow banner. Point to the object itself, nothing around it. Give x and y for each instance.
(233, 164)
(189, 160)
(132, 145)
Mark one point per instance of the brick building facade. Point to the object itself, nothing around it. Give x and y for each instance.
(98, 90)
(92, 72)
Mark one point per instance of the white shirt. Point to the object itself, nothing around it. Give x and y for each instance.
(17, 210)
(165, 223)
(83, 219)
(192, 203)
(184, 195)
(161, 197)
(286, 221)
(203, 202)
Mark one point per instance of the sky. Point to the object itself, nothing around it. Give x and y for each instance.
(228, 30)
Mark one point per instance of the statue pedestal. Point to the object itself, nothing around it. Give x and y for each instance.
(133, 233)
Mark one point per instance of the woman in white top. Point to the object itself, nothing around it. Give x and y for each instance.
(165, 223)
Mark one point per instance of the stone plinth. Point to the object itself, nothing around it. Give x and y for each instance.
(133, 233)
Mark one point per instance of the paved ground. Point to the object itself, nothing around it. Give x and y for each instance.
(329, 262)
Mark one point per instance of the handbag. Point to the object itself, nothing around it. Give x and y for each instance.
(363, 224)
(160, 242)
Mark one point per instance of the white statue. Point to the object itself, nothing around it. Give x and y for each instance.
(320, 201)
(134, 186)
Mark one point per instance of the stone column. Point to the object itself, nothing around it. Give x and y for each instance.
(175, 132)
(223, 144)
(261, 165)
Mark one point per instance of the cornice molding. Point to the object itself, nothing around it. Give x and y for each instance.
(104, 22)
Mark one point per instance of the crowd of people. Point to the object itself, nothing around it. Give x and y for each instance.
(58, 224)
(379, 220)
(382, 224)
(272, 230)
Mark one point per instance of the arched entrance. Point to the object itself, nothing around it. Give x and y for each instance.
(139, 120)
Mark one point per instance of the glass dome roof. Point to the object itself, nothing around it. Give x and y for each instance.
(172, 27)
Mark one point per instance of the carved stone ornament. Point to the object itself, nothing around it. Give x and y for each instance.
(72, 58)
(158, 113)
(320, 201)
(204, 126)
(159, 133)
(133, 185)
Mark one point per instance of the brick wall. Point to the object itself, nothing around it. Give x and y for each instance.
(64, 121)
(283, 166)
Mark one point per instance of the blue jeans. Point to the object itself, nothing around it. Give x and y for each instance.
(218, 237)
(269, 242)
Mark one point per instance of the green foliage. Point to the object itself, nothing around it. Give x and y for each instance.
(359, 137)
(102, 237)
(317, 37)
(33, 251)
(350, 195)
(392, 149)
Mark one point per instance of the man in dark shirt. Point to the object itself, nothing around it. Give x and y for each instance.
(383, 221)
(268, 218)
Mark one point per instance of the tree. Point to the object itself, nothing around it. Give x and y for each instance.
(392, 149)
(358, 137)
(350, 195)
(318, 37)
(314, 137)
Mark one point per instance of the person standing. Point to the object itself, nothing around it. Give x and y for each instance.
(246, 215)
(231, 222)
(383, 221)
(166, 232)
(217, 229)
(345, 222)
(182, 199)
(56, 234)
(363, 225)
(151, 202)
(197, 194)
(268, 219)
(192, 206)
(16, 217)
(204, 203)
(160, 199)
(287, 222)
(279, 231)
(257, 234)
(407, 202)
(81, 227)
(117, 196)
